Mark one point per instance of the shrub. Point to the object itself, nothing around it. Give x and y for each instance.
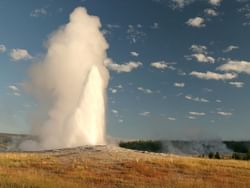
(211, 155)
(217, 155)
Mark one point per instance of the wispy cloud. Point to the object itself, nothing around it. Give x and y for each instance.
(197, 113)
(147, 91)
(38, 12)
(230, 48)
(2, 48)
(135, 33)
(213, 76)
(237, 84)
(171, 118)
(144, 113)
(196, 99)
(14, 89)
(225, 113)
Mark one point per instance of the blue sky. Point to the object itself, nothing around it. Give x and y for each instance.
(179, 68)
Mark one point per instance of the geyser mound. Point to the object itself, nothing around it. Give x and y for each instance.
(69, 84)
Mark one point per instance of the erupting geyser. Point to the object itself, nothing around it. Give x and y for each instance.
(70, 86)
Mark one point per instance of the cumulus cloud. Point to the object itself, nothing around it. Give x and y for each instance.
(147, 91)
(126, 67)
(215, 2)
(197, 113)
(213, 76)
(19, 54)
(224, 113)
(198, 49)
(202, 58)
(236, 66)
(135, 54)
(237, 84)
(230, 48)
(196, 99)
(38, 12)
(144, 114)
(2, 48)
(159, 65)
(180, 84)
(210, 12)
(196, 22)
(200, 54)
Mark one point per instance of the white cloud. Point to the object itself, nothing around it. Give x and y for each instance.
(159, 65)
(213, 76)
(2, 48)
(17, 94)
(224, 113)
(215, 2)
(147, 91)
(180, 3)
(145, 114)
(134, 54)
(171, 118)
(113, 90)
(191, 117)
(230, 48)
(196, 99)
(134, 33)
(203, 58)
(211, 12)
(155, 26)
(196, 22)
(198, 49)
(237, 84)
(197, 113)
(13, 88)
(236, 66)
(176, 84)
(114, 111)
(38, 12)
(19, 54)
(218, 101)
(126, 67)
(113, 26)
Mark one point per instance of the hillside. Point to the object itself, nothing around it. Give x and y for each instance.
(109, 166)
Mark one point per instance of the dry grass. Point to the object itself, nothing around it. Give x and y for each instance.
(109, 167)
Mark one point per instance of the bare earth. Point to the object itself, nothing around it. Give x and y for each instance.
(110, 166)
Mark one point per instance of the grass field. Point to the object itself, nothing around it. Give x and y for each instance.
(115, 167)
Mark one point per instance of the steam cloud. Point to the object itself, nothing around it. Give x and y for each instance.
(70, 85)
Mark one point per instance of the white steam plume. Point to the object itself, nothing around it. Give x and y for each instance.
(70, 85)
